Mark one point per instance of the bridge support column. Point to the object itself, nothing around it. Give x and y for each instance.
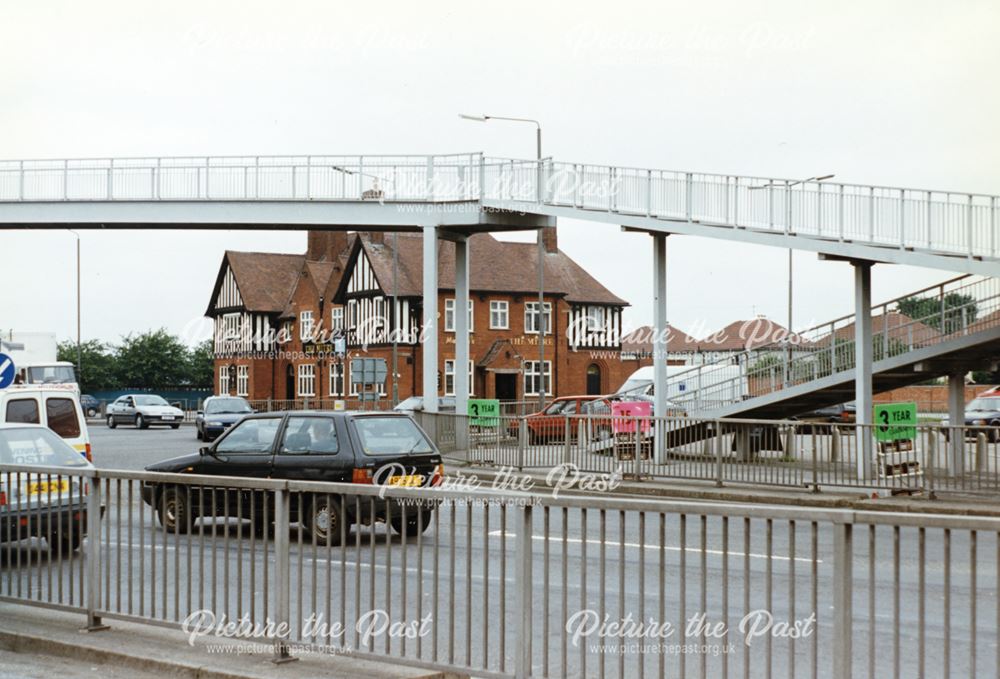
(429, 333)
(461, 342)
(956, 416)
(863, 349)
(660, 345)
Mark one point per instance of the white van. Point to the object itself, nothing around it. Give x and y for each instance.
(56, 406)
(706, 386)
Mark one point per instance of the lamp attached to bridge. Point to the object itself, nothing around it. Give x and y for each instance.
(478, 119)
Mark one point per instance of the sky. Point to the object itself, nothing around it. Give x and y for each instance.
(883, 92)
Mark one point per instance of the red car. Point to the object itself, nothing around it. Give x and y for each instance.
(549, 424)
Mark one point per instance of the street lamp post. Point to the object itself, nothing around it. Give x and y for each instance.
(787, 184)
(541, 322)
(79, 350)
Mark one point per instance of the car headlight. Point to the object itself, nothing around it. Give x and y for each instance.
(215, 423)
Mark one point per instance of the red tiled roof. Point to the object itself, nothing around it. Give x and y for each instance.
(266, 280)
(494, 266)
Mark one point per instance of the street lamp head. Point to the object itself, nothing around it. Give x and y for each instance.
(478, 119)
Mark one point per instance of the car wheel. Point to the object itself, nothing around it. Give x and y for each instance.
(65, 544)
(175, 514)
(323, 518)
(91, 412)
(111, 422)
(197, 433)
(140, 422)
(174, 426)
(414, 524)
(994, 434)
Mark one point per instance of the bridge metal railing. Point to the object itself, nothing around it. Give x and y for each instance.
(295, 177)
(938, 314)
(944, 222)
(513, 584)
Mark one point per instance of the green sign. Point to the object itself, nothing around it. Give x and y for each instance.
(896, 422)
(484, 412)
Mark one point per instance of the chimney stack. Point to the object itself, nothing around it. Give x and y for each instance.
(325, 246)
(550, 240)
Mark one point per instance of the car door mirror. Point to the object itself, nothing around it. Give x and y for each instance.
(205, 450)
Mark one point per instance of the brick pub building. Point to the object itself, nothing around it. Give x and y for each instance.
(275, 315)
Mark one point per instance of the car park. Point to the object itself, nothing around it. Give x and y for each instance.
(142, 410)
(982, 415)
(56, 406)
(346, 447)
(91, 406)
(39, 505)
(218, 413)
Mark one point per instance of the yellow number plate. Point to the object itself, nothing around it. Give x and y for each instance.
(45, 487)
(408, 481)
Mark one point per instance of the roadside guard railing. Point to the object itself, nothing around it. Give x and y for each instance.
(508, 584)
(929, 317)
(928, 457)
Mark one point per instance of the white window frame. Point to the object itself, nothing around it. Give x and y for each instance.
(449, 376)
(223, 379)
(242, 380)
(306, 325)
(352, 313)
(531, 374)
(501, 308)
(531, 315)
(449, 315)
(305, 385)
(337, 318)
(596, 318)
(336, 379)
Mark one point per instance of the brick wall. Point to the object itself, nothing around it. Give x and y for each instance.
(930, 398)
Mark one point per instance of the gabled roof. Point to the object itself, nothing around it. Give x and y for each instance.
(748, 335)
(494, 266)
(640, 340)
(266, 280)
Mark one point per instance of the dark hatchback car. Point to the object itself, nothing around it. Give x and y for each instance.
(218, 413)
(984, 412)
(346, 447)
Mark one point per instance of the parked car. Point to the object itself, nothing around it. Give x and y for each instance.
(218, 413)
(41, 506)
(549, 424)
(415, 404)
(91, 406)
(843, 413)
(981, 412)
(143, 410)
(346, 447)
(55, 406)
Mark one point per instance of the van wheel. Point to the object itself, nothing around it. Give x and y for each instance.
(414, 524)
(323, 518)
(140, 422)
(65, 544)
(174, 512)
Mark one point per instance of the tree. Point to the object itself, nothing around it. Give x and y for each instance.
(153, 360)
(959, 311)
(97, 370)
(201, 365)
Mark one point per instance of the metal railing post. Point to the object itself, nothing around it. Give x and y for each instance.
(717, 430)
(522, 442)
(566, 441)
(282, 576)
(843, 590)
(522, 663)
(93, 555)
(688, 195)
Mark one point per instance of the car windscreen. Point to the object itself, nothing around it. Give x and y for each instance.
(51, 374)
(150, 401)
(219, 406)
(37, 446)
(391, 436)
(984, 404)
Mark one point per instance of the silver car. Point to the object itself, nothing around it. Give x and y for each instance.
(143, 410)
(50, 506)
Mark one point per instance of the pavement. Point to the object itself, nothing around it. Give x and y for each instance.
(41, 643)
